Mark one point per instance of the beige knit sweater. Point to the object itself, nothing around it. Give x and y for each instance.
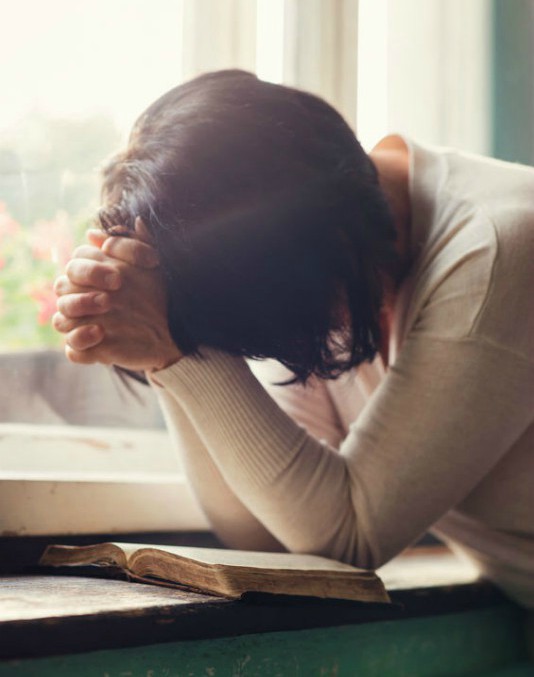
(359, 468)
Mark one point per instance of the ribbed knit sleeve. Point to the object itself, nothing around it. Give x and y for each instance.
(212, 389)
(233, 523)
(402, 466)
(274, 466)
(444, 442)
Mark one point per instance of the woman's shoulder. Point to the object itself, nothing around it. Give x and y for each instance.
(473, 273)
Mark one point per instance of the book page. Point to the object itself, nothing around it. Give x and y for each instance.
(245, 558)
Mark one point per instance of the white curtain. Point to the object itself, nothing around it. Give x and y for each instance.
(425, 71)
(314, 42)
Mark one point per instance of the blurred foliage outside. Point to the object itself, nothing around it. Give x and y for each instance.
(48, 194)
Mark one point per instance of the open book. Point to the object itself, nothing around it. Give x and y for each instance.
(226, 573)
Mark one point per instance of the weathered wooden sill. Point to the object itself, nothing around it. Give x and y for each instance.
(439, 604)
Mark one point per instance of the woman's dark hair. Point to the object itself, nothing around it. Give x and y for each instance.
(270, 225)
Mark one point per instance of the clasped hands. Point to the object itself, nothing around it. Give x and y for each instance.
(112, 304)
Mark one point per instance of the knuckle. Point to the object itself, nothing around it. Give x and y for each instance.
(109, 246)
(69, 267)
(67, 324)
(112, 275)
(62, 304)
(118, 248)
(77, 339)
(77, 357)
(130, 251)
(58, 321)
(83, 272)
(83, 304)
(113, 243)
(79, 252)
(71, 305)
(100, 302)
(70, 354)
(59, 284)
(74, 270)
(86, 251)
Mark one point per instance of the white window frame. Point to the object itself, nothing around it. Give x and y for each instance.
(46, 489)
(319, 42)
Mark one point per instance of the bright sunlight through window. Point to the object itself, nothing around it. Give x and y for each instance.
(74, 77)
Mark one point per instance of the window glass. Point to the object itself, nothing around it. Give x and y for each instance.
(73, 78)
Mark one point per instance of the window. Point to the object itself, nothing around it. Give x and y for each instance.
(425, 70)
(74, 77)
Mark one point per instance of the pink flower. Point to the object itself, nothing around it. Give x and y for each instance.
(52, 240)
(46, 301)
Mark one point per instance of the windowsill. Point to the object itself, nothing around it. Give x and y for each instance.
(67, 480)
(43, 387)
(43, 615)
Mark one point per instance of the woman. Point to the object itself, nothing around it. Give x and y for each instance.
(405, 273)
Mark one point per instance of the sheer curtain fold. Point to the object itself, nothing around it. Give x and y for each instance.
(319, 44)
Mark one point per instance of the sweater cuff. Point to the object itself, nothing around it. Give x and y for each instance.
(239, 422)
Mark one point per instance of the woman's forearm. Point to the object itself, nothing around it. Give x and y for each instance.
(279, 472)
(403, 465)
(231, 521)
